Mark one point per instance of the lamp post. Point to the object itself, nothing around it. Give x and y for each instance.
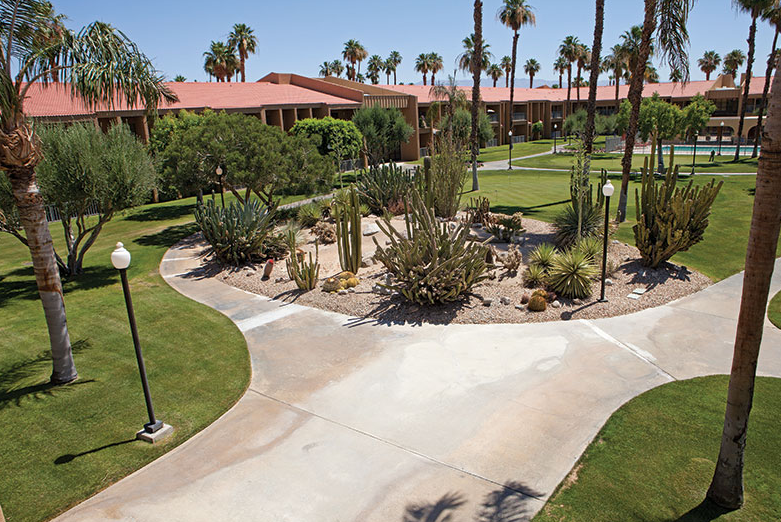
(120, 258)
(607, 190)
(219, 171)
(555, 132)
(510, 155)
(721, 134)
(694, 156)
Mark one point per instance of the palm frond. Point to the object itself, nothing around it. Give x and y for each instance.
(671, 34)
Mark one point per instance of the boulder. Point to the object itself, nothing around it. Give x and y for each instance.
(371, 229)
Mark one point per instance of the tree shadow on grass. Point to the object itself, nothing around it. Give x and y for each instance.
(68, 457)
(10, 395)
(169, 236)
(528, 211)
(704, 512)
(162, 213)
(22, 283)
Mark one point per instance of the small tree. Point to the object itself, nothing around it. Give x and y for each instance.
(696, 115)
(461, 127)
(537, 128)
(659, 120)
(161, 135)
(384, 130)
(338, 137)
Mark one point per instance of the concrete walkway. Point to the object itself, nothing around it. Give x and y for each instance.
(353, 420)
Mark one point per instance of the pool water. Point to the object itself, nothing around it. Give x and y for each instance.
(745, 150)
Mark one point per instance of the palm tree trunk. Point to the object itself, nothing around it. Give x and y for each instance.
(495, 80)
(243, 78)
(635, 98)
(771, 63)
(599, 24)
(578, 80)
(752, 33)
(707, 76)
(569, 89)
(512, 84)
(394, 77)
(726, 489)
(29, 202)
(506, 80)
(618, 90)
(477, 67)
(531, 81)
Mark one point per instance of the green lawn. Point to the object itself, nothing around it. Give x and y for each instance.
(774, 310)
(654, 459)
(62, 444)
(612, 162)
(542, 195)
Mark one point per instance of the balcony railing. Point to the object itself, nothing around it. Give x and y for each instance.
(556, 115)
(519, 116)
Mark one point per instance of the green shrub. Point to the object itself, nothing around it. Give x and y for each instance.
(542, 256)
(433, 264)
(534, 276)
(308, 215)
(566, 224)
(591, 247)
(671, 219)
(275, 246)
(383, 186)
(236, 233)
(537, 303)
(571, 274)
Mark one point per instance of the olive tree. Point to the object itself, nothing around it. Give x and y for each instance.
(384, 130)
(332, 136)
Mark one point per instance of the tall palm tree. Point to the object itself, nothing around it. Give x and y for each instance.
(595, 68)
(479, 63)
(495, 72)
(100, 66)
(726, 488)
(584, 58)
(506, 63)
(388, 67)
(354, 53)
(450, 96)
(773, 15)
(651, 74)
(50, 32)
(435, 64)
(243, 40)
(179, 78)
(531, 67)
(395, 58)
(616, 61)
(422, 64)
(325, 69)
(733, 61)
(666, 19)
(569, 50)
(515, 14)
(337, 68)
(560, 66)
(631, 41)
(464, 60)
(754, 8)
(374, 67)
(709, 62)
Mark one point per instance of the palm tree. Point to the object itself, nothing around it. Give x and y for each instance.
(506, 64)
(360, 78)
(479, 59)
(100, 66)
(733, 61)
(337, 68)
(375, 65)
(435, 64)
(450, 96)
(709, 62)
(354, 53)
(616, 61)
(388, 67)
(49, 33)
(179, 78)
(726, 488)
(667, 20)
(676, 76)
(464, 60)
(584, 58)
(560, 66)
(242, 39)
(395, 58)
(631, 41)
(755, 8)
(569, 50)
(515, 14)
(651, 74)
(595, 68)
(773, 15)
(220, 61)
(495, 72)
(531, 67)
(325, 69)
(422, 64)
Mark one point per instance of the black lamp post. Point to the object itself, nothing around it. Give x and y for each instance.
(120, 258)
(607, 190)
(721, 134)
(218, 171)
(554, 136)
(510, 156)
(694, 156)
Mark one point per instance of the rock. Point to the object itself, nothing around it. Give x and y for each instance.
(616, 242)
(371, 229)
(367, 261)
(343, 292)
(577, 301)
(555, 304)
(608, 282)
(519, 307)
(504, 300)
(516, 240)
(351, 290)
(487, 301)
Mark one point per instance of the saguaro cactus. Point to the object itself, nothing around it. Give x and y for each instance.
(348, 232)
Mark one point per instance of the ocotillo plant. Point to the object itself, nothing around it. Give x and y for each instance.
(348, 232)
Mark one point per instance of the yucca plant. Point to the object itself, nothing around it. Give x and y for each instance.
(566, 224)
(591, 247)
(571, 274)
(534, 276)
(432, 264)
(542, 256)
(309, 214)
(236, 233)
(304, 273)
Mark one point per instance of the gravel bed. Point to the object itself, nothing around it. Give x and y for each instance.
(660, 286)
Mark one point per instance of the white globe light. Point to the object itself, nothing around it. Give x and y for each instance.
(120, 257)
(607, 189)
(218, 171)
(510, 133)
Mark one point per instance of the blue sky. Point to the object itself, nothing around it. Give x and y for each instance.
(298, 35)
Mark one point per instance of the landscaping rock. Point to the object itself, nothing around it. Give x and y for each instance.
(343, 292)
(577, 301)
(487, 301)
(519, 307)
(504, 300)
(555, 304)
(367, 261)
(371, 229)
(608, 282)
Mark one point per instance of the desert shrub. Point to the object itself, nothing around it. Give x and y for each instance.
(534, 276)
(237, 232)
(326, 207)
(275, 246)
(308, 215)
(448, 174)
(433, 264)
(571, 274)
(479, 211)
(542, 256)
(324, 232)
(512, 259)
(566, 224)
(382, 186)
(537, 303)
(671, 219)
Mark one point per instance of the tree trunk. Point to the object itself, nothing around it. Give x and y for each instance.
(618, 91)
(578, 82)
(29, 202)
(512, 87)
(635, 98)
(661, 156)
(726, 489)
(561, 80)
(394, 77)
(771, 63)
(599, 23)
(569, 89)
(477, 67)
(752, 32)
(707, 76)
(495, 80)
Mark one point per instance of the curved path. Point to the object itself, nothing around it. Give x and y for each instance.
(349, 420)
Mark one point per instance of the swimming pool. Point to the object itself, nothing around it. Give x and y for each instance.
(745, 150)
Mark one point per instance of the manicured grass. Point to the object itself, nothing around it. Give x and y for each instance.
(774, 310)
(612, 162)
(542, 195)
(62, 444)
(654, 459)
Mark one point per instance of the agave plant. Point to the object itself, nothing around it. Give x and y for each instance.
(542, 256)
(571, 274)
(237, 232)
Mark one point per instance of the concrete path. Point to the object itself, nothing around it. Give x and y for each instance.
(353, 420)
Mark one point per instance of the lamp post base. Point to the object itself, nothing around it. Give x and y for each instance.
(601, 300)
(164, 431)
